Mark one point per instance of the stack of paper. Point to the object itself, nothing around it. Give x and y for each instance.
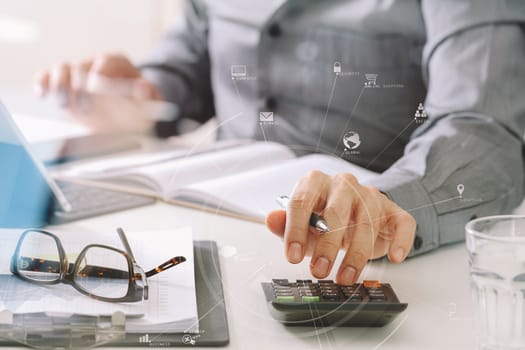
(172, 303)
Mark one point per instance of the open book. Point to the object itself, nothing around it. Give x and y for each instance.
(241, 181)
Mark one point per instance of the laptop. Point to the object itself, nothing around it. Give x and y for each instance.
(30, 197)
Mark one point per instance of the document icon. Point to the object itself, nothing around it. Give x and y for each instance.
(266, 116)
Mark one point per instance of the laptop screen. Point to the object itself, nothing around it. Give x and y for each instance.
(26, 195)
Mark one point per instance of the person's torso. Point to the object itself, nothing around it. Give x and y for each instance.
(324, 68)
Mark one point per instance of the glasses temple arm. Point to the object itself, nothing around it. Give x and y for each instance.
(167, 265)
(125, 243)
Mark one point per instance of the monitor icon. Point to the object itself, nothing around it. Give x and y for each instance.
(238, 70)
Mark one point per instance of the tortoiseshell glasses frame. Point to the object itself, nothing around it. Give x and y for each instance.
(137, 289)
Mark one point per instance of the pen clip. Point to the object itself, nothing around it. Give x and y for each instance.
(283, 201)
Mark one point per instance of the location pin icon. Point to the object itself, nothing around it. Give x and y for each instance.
(461, 188)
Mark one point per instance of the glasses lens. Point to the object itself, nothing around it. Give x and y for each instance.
(38, 258)
(103, 273)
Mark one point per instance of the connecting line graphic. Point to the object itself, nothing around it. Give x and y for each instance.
(326, 113)
(174, 176)
(391, 333)
(435, 203)
(327, 335)
(216, 165)
(239, 97)
(389, 144)
(349, 118)
(316, 329)
(236, 90)
(246, 280)
(214, 306)
(408, 210)
(262, 131)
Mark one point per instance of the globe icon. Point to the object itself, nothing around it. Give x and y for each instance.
(351, 140)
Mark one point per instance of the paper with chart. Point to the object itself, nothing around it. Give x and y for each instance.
(172, 304)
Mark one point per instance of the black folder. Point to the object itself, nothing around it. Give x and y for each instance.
(213, 323)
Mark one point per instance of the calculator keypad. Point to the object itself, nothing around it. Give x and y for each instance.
(307, 291)
(321, 303)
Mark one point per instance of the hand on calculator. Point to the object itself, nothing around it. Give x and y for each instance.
(363, 221)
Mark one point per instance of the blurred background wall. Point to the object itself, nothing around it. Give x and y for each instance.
(36, 34)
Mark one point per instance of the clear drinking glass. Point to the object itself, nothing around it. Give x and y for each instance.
(496, 246)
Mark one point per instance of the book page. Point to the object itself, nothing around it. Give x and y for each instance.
(173, 176)
(166, 177)
(172, 303)
(253, 193)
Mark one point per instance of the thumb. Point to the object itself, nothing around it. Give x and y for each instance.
(115, 66)
(144, 90)
(275, 221)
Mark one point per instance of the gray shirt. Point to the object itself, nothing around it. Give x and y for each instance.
(326, 68)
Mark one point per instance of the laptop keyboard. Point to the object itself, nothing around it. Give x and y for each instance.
(87, 201)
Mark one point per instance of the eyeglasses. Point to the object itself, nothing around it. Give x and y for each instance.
(100, 272)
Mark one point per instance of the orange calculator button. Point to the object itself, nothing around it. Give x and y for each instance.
(372, 284)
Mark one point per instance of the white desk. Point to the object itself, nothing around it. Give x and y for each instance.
(435, 286)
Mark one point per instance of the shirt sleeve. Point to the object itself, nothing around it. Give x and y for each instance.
(475, 72)
(180, 68)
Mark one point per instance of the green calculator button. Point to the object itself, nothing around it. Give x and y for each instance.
(288, 298)
(310, 298)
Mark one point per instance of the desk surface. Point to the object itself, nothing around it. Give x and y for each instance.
(435, 286)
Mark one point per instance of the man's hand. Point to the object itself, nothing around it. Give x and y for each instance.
(99, 91)
(362, 220)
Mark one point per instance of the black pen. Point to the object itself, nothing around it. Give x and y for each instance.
(316, 221)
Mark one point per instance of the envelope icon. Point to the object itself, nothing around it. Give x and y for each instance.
(266, 116)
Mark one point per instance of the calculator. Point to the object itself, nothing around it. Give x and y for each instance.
(325, 303)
